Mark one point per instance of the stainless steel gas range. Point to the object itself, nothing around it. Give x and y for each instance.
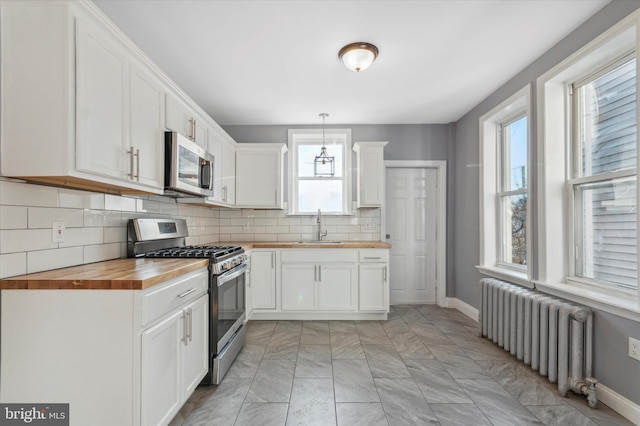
(165, 238)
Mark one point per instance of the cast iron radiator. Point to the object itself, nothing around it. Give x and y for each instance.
(552, 335)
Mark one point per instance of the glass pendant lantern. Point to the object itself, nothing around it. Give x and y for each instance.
(324, 165)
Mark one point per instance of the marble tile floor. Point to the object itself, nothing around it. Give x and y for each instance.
(424, 365)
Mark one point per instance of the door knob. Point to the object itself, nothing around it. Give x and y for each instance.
(387, 236)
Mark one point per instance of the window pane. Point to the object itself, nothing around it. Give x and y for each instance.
(606, 235)
(607, 131)
(308, 153)
(515, 155)
(325, 195)
(514, 222)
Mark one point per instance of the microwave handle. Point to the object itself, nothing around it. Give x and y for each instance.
(206, 175)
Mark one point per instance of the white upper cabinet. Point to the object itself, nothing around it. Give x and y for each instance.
(82, 108)
(259, 175)
(102, 93)
(228, 177)
(182, 119)
(370, 166)
(147, 124)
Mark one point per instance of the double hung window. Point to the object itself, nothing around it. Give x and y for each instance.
(603, 176)
(309, 192)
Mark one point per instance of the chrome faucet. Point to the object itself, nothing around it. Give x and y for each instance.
(321, 234)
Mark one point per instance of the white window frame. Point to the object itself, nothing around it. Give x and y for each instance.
(300, 136)
(554, 193)
(519, 104)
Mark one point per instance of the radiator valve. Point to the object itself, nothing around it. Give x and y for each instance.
(589, 389)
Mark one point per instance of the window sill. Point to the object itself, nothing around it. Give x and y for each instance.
(626, 306)
(510, 275)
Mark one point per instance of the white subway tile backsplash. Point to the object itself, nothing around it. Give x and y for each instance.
(82, 237)
(265, 237)
(288, 221)
(116, 234)
(24, 194)
(101, 252)
(41, 217)
(13, 264)
(277, 229)
(103, 218)
(13, 217)
(265, 221)
(123, 204)
(16, 240)
(300, 229)
(242, 237)
(156, 207)
(230, 214)
(44, 260)
(289, 237)
(231, 229)
(80, 199)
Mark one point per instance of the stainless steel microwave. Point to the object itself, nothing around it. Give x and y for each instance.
(188, 167)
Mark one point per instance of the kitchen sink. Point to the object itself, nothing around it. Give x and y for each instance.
(319, 242)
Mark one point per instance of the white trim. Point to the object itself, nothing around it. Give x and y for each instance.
(517, 104)
(618, 403)
(554, 210)
(345, 137)
(589, 296)
(506, 275)
(463, 307)
(441, 225)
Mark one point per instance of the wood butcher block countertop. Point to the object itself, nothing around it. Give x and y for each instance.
(120, 274)
(297, 245)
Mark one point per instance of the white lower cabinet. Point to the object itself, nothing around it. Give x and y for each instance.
(328, 284)
(262, 280)
(373, 293)
(174, 361)
(118, 357)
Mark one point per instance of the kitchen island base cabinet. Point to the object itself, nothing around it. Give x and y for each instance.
(118, 357)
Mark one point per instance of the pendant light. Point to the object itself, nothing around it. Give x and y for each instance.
(358, 56)
(323, 165)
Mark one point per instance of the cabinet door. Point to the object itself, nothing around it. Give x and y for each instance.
(371, 176)
(299, 287)
(228, 174)
(161, 359)
(257, 189)
(177, 117)
(200, 132)
(147, 127)
(196, 349)
(263, 280)
(102, 94)
(336, 287)
(215, 148)
(373, 291)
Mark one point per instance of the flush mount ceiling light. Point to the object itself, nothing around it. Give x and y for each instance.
(323, 165)
(358, 56)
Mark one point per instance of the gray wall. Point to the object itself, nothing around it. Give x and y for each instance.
(406, 142)
(612, 365)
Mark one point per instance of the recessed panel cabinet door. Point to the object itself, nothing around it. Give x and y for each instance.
(336, 287)
(147, 127)
(196, 351)
(102, 94)
(374, 287)
(161, 360)
(298, 287)
(263, 280)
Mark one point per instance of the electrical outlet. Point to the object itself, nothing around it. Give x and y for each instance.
(57, 232)
(634, 348)
(370, 226)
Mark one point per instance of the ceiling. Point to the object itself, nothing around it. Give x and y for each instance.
(276, 62)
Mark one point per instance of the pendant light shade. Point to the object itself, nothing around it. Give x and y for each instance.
(324, 165)
(358, 56)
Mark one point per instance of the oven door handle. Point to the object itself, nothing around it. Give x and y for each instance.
(234, 273)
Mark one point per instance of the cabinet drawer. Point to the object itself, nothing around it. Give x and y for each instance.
(164, 298)
(374, 255)
(320, 255)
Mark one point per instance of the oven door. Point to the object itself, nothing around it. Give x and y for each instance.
(228, 305)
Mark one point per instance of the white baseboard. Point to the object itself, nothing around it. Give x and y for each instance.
(618, 403)
(463, 307)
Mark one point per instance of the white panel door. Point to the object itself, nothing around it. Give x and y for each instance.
(411, 216)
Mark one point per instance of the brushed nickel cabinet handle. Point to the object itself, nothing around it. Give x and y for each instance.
(137, 155)
(186, 293)
(130, 152)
